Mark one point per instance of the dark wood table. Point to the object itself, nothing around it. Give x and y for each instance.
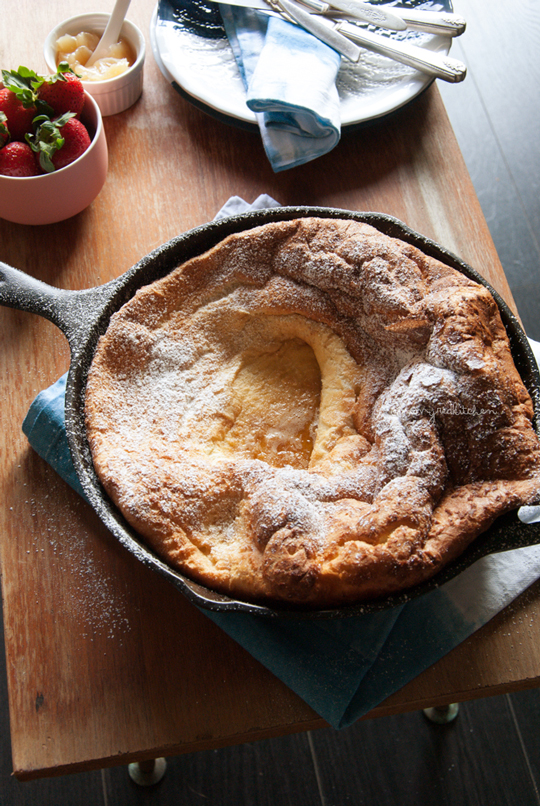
(106, 662)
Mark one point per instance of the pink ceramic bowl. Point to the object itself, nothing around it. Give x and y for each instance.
(61, 194)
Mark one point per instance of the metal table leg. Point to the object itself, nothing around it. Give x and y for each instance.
(147, 773)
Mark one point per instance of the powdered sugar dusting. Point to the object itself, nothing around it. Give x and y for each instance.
(257, 409)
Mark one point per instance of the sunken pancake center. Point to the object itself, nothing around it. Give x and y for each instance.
(274, 402)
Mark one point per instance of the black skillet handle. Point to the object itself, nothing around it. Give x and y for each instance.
(68, 310)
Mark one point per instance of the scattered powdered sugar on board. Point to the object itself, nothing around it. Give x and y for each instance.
(93, 599)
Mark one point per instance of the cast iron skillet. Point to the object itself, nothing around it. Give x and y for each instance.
(84, 315)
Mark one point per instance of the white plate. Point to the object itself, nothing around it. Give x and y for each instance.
(204, 69)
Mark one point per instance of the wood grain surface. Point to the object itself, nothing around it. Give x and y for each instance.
(106, 662)
(496, 117)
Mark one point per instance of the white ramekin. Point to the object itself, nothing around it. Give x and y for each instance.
(115, 94)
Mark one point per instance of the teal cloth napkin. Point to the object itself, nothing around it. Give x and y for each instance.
(290, 81)
(341, 667)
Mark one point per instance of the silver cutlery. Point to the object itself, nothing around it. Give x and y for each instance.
(358, 10)
(443, 23)
(336, 29)
(427, 61)
(393, 18)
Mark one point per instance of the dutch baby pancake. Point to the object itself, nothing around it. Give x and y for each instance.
(311, 413)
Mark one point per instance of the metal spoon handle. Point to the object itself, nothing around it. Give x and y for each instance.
(375, 15)
(427, 61)
(382, 16)
(433, 22)
(318, 27)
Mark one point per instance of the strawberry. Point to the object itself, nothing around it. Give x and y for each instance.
(58, 142)
(76, 141)
(63, 91)
(4, 131)
(42, 113)
(18, 116)
(18, 159)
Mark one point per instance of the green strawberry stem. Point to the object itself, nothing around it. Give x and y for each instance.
(4, 133)
(62, 69)
(47, 139)
(25, 83)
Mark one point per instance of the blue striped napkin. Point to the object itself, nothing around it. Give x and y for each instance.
(290, 81)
